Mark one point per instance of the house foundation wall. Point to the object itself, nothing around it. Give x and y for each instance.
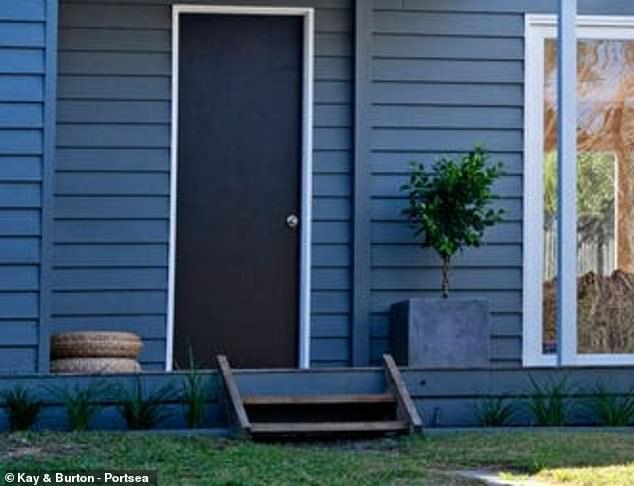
(444, 398)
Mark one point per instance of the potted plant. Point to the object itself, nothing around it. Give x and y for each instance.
(450, 206)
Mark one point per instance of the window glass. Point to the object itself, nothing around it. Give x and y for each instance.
(605, 192)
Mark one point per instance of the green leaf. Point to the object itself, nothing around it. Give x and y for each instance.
(451, 202)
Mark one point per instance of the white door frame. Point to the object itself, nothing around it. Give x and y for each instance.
(307, 164)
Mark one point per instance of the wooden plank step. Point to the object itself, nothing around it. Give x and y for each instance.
(291, 428)
(379, 398)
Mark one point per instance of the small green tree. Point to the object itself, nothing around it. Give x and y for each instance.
(451, 204)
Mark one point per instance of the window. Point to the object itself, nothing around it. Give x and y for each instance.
(604, 238)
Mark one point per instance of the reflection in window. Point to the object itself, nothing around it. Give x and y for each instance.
(605, 191)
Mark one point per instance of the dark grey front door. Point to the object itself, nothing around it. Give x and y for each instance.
(239, 169)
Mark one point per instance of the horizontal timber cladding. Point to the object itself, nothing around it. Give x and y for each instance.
(113, 163)
(444, 398)
(23, 58)
(447, 74)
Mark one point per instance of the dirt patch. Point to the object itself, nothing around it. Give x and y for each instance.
(361, 445)
(18, 446)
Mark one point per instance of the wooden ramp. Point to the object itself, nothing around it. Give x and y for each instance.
(287, 416)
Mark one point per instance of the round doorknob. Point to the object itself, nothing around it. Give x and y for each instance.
(292, 221)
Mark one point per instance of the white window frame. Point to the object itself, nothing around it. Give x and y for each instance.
(538, 29)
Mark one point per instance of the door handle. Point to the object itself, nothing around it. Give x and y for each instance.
(292, 221)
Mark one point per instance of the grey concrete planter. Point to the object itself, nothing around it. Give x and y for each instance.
(441, 333)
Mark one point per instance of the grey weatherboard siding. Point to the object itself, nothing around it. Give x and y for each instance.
(443, 79)
(112, 179)
(447, 74)
(25, 86)
(433, 77)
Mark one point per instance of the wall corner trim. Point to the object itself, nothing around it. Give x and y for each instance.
(48, 179)
(360, 343)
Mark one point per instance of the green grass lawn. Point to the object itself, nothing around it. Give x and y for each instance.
(585, 458)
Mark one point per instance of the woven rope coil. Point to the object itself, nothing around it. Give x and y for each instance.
(95, 344)
(95, 365)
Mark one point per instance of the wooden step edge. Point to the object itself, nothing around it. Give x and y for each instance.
(405, 409)
(235, 406)
(379, 398)
(287, 428)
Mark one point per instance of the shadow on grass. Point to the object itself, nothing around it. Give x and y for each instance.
(564, 456)
(583, 458)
